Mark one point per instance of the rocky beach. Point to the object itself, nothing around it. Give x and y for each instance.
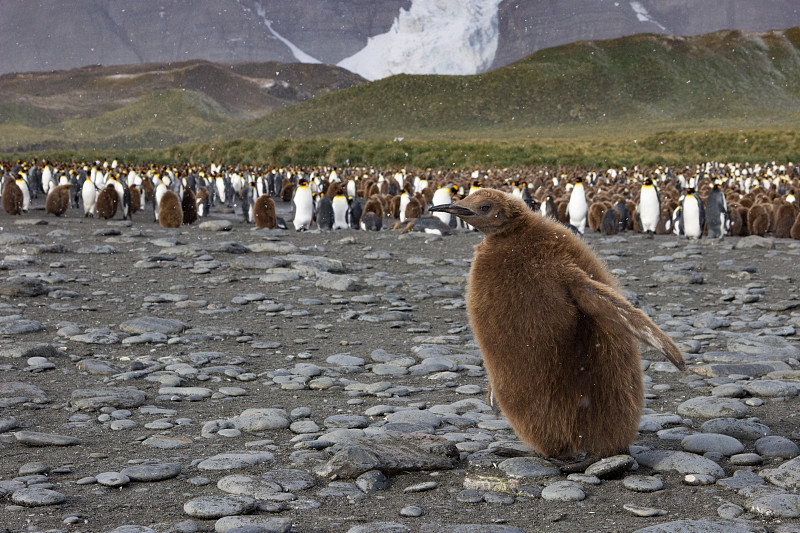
(221, 378)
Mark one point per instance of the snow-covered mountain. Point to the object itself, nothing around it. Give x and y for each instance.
(374, 38)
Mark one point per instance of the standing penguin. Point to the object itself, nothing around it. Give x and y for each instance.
(57, 200)
(302, 206)
(577, 207)
(189, 206)
(649, 207)
(264, 212)
(549, 209)
(12, 197)
(89, 197)
(340, 207)
(718, 222)
(325, 213)
(693, 217)
(22, 183)
(559, 342)
(170, 213)
(442, 196)
(107, 202)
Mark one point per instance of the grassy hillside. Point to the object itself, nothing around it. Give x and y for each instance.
(639, 99)
(645, 81)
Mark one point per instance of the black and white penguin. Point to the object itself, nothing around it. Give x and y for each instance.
(548, 208)
(325, 214)
(692, 215)
(340, 207)
(302, 206)
(624, 214)
(355, 212)
(718, 221)
(577, 208)
(649, 206)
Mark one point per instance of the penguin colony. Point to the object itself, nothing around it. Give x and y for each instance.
(559, 342)
(709, 200)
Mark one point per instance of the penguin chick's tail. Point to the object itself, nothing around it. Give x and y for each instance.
(608, 307)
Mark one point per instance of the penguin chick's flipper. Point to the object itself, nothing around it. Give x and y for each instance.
(606, 306)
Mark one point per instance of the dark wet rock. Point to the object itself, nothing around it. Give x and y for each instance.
(152, 472)
(16, 325)
(28, 349)
(22, 286)
(37, 497)
(17, 389)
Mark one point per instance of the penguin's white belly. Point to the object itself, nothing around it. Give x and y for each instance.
(340, 214)
(691, 220)
(649, 211)
(303, 209)
(577, 213)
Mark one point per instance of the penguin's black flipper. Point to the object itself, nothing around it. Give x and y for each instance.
(609, 309)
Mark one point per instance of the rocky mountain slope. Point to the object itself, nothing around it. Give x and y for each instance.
(372, 38)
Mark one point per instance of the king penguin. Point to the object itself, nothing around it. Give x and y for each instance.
(89, 197)
(649, 207)
(577, 207)
(692, 215)
(324, 213)
(718, 222)
(559, 342)
(302, 206)
(340, 207)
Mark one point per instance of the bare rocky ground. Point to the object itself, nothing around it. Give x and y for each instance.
(130, 355)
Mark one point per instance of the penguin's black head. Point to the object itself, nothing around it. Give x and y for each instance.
(488, 210)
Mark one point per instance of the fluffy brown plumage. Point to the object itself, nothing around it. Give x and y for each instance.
(594, 218)
(12, 198)
(794, 233)
(758, 220)
(170, 213)
(784, 219)
(189, 206)
(107, 201)
(610, 222)
(58, 200)
(264, 212)
(559, 342)
(413, 209)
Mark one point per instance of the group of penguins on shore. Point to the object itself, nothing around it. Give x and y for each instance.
(712, 199)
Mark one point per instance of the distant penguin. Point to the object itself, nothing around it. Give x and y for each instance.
(738, 226)
(426, 224)
(624, 215)
(12, 198)
(355, 212)
(693, 216)
(560, 344)
(189, 206)
(794, 233)
(577, 207)
(649, 209)
(58, 200)
(677, 221)
(594, 218)
(442, 196)
(548, 209)
(107, 202)
(370, 221)
(611, 222)
(758, 220)
(302, 206)
(340, 207)
(137, 197)
(202, 201)
(89, 197)
(170, 213)
(264, 212)
(413, 209)
(22, 183)
(785, 217)
(160, 190)
(717, 219)
(325, 215)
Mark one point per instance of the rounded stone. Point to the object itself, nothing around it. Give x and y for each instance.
(564, 491)
(643, 483)
(112, 479)
(411, 511)
(228, 461)
(528, 467)
(712, 407)
(210, 507)
(37, 497)
(152, 472)
(611, 466)
(746, 459)
(776, 446)
(712, 442)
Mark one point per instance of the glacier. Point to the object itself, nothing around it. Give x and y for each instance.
(432, 37)
(301, 56)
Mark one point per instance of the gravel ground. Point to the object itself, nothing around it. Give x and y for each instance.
(130, 355)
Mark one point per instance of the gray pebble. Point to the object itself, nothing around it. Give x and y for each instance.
(528, 467)
(712, 407)
(411, 511)
(37, 497)
(152, 472)
(209, 507)
(112, 479)
(712, 442)
(565, 491)
(252, 524)
(372, 481)
(776, 446)
(610, 467)
(643, 483)
(638, 510)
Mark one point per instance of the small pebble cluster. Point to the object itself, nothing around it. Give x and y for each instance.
(224, 378)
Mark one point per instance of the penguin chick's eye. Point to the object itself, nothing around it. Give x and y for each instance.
(485, 208)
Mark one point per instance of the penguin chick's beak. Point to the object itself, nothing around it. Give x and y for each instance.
(453, 209)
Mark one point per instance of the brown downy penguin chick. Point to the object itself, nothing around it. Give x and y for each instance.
(757, 220)
(413, 209)
(136, 199)
(784, 219)
(794, 233)
(58, 200)
(264, 212)
(12, 198)
(107, 201)
(594, 218)
(189, 206)
(559, 342)
(287, 190)
(170, 213)
(737, 224)
(611, 221)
